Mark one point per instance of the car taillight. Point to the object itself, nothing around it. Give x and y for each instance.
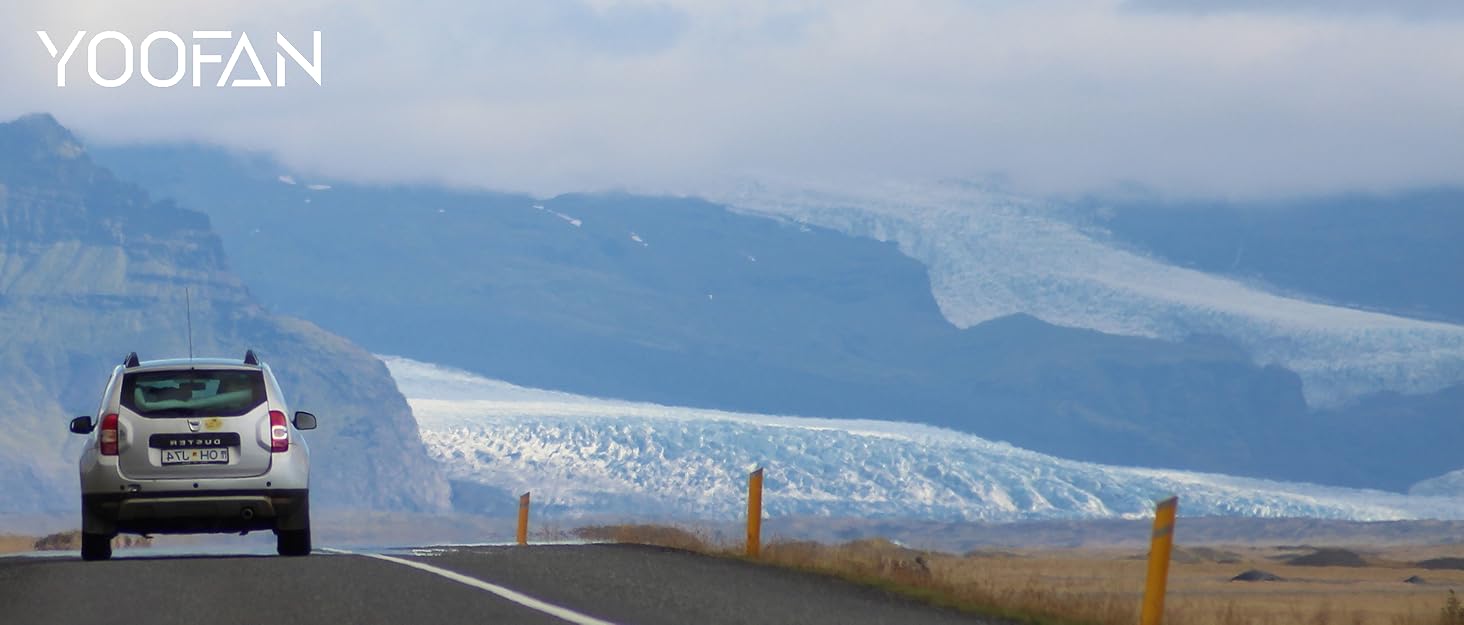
(108, 436)
(279, 432)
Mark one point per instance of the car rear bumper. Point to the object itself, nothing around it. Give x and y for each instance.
(195, 512)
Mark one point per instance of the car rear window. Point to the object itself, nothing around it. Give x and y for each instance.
(193, 392)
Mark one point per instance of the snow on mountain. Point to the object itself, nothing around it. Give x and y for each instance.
(1450, 484)
(567, 219)
(991, 255)
(596, 456)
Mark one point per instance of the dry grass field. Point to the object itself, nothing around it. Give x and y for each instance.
(63, 541)
(1106, 586)
(15, 544)
(1317, 586)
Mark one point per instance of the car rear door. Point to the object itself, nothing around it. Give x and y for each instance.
(195, 423)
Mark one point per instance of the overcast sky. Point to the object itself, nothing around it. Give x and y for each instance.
(1197, 97)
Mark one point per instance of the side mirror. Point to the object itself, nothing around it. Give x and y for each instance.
(81, 425)
(304, 420)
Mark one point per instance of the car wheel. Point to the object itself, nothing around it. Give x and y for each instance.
(293, 542)
(96, 547)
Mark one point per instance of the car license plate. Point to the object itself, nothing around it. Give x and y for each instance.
(210, 455)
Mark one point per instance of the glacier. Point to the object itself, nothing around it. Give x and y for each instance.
(1450, 484)
(990, 254)
(594, 457)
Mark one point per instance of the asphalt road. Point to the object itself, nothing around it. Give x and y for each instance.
(586, 584)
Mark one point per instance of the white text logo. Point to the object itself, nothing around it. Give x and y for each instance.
(180, 57)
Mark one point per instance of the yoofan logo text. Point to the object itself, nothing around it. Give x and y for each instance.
(139, 59)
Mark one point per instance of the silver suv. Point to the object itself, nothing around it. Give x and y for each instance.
(191, 446)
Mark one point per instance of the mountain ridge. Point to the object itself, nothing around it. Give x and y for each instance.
(91, 268)
(992, 253)
(682, 301)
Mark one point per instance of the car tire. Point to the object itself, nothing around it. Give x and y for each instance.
(96, 547)
(293, 542)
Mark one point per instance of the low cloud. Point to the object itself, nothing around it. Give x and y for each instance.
(1412, 9)
(562, 95)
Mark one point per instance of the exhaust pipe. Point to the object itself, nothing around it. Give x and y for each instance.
(247, 514)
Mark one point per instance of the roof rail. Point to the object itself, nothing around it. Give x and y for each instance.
(131, 360)
(250, 358)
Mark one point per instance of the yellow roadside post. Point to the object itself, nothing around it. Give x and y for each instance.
(754, 513)
(523, 519)
(1159, 548)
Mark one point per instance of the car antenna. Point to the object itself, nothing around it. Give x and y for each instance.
(188, 308)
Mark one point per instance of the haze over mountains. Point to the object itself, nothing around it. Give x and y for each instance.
(91, 268)
(684, 302)
(944, 306)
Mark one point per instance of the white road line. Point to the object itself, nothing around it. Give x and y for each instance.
(515, 596)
